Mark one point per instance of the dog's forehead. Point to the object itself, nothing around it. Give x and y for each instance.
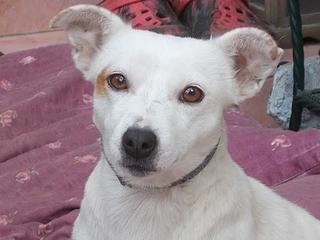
(147, 50)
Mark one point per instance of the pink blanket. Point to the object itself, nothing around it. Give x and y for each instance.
(49, 146)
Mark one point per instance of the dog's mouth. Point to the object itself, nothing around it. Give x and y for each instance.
(138, 170)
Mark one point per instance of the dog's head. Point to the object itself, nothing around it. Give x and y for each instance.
(159, 99)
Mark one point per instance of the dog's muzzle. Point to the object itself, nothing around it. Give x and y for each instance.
(139, 148)
(180, 181)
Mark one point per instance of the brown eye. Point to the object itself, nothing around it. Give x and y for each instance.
(117, 82)
(192, 94)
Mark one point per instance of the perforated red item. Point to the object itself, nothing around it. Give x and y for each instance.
(147, 14)
(230, 14)
(214, 17)
(199, 18)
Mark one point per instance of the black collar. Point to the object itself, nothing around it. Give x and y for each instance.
(180, 181)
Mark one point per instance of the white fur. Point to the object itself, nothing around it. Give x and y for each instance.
(221, 203)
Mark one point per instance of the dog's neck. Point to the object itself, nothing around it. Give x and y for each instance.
(211, 173)
(218, 156)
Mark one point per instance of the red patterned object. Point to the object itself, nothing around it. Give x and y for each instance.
(230, 14)
(214, 17)
(152, 15)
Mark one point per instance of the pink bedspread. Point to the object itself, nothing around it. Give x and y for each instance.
(49, 146)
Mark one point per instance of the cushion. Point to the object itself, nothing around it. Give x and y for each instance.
(270, 155)
(304, 191)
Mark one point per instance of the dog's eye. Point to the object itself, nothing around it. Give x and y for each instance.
(117, 82)
(191, 94)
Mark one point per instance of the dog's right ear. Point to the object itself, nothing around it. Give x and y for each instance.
(87, 28)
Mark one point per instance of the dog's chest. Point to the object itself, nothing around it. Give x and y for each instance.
(145, 216)
(110, 211)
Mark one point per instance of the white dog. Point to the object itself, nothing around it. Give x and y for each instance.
(165, 172)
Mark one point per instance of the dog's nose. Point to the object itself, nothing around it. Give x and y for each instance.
(139, 143)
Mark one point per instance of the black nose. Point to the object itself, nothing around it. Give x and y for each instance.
(139, 143)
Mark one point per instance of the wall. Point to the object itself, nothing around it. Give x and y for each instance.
(31, 16)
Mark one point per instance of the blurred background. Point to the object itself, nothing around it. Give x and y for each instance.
(24, 23)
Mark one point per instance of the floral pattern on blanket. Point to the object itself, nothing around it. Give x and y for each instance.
(7, 219)
(85, 159)
(6, 85)
(27, 60)
(7, 117)
(25, 175)
(281, 141)
(55, 145)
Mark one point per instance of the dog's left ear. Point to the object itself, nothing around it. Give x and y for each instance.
(255, 56)
(87, 28)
